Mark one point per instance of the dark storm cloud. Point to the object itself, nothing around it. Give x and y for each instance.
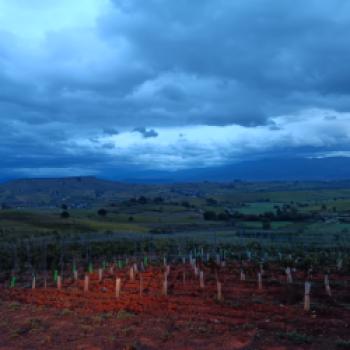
(146, 133)
(268, 56)
(110, 131)
(195, 62)
(164, 64)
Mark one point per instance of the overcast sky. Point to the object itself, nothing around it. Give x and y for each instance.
(90, 85)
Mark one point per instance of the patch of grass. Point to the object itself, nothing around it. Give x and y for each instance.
(66, 312)
(133, 346)
(127, 331)
(32, 325)
(203, 329)
(97, 320)
(258, 208)
(18, 332)
(258, 300)
(87, 329)
(342, 344)
(15, 305)
(35, 324)
(232, 303)
(112, 338)
(107, 315)
(295, 337)
(248, 326)
(166, 335)
(124, 315)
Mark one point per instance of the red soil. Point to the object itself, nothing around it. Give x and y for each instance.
(188, 318)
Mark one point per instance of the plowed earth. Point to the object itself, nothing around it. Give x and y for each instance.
(189, 317)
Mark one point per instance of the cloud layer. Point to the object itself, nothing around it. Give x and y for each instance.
(199, 82)
(199, 146)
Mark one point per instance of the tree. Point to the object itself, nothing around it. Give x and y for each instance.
(209, 215)
(102, 212)
(211, 201)
(268, 215)
(142, 200)
(223, 216)
(186, 204)
(266, 225)
(158, 200)
(65, 215)
(64, 207)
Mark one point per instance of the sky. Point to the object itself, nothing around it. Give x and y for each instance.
(87, 86)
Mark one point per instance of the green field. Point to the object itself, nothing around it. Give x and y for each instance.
(307, 211)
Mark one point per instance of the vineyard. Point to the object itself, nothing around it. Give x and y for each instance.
(187, 266)
(248, 296)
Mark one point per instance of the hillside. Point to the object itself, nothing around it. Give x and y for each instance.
(83, 192)
(78, 191)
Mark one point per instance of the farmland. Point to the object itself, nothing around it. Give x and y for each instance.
(236, 265)
(168, 301)
(307, 208)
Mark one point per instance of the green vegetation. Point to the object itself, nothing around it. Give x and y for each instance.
(343, 344)
(124, 315)
(233, 213)
(295, 337)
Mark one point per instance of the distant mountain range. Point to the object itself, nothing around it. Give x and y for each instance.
(275, 174)
(78, 191)
(273, 169)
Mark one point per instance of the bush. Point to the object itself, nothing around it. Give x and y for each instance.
(223, 217)
(102, 212)
(211, 201)
(186, 204)
(296, 337)
(158, 200)
(209, 215)
(343, 344)
(266, 225)
(143, 200)
(65, 215)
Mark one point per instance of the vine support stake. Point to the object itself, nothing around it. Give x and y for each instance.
(219, 290)
(86, 283)
(307, 296)
(59, 282)
(117, 287)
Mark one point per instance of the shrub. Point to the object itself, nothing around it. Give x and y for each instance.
(266, 225)
(102, 212)
(65, 215)
(343, 344)
(209, 215)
